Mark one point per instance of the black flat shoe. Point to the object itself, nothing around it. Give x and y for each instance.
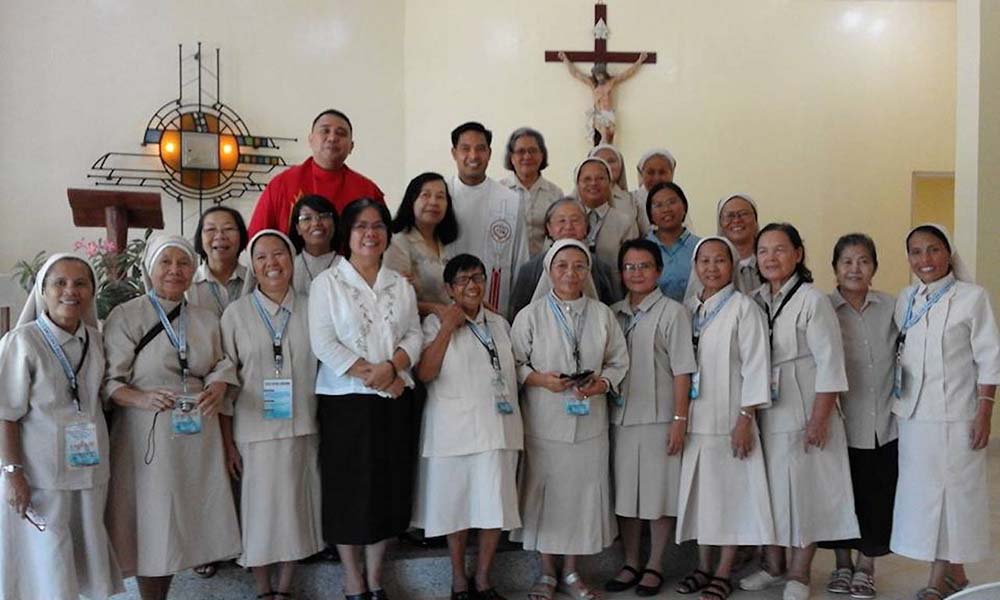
(489, 593)
(463, 595)
(615, 585)
(649, 590)
(378, 595)
(361, 596)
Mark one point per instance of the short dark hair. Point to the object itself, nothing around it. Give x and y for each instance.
(460, 263)
(240, 224)
(656, 189)
(351, 213)
(854, 239)
(793, 236)
(471, 126)
(519, 133)
(640, 244)
(931, 230)
(447, 230)
(334, 112)
(317, 203)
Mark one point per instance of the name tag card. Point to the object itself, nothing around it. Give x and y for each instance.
(775, 387)
(277, 399)
(185, 418)
(695, 386)
(80, 439)
(576, 406)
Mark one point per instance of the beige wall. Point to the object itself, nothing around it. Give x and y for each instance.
(933, 199)
(821, 110)
(79, 78)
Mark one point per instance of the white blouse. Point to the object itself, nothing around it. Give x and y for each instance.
(658, 333)
(248, 344)
(954, 347)
(733, 361)
(350, 320)
(541, 345)
(460, 416)
(534, 203)
(807, 352)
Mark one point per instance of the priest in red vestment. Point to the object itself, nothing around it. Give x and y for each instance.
(324, 174)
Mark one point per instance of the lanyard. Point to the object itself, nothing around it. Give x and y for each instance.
(594, 229)
(71, 373)
(276, 333)
(564, 325)
(215, 292)
(486, 339)
(178, 337)
(700, 323)
(771, 319)
(305, 263)
(912, 318)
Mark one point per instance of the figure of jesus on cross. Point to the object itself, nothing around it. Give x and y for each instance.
(601, 118)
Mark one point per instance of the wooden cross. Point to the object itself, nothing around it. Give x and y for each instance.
(600, 53)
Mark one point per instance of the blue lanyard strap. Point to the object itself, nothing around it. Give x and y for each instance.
(71, 373)
(178, 337)
(912, 318)
(564, 325)
(277, 334)
(486, 339)
(700, 323)
(214, 287)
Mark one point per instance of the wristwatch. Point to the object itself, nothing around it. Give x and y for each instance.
(11, 468)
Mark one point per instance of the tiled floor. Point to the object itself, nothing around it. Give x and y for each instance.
(897, 578)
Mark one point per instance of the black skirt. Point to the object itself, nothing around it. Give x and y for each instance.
(873, 478)
(368, 457)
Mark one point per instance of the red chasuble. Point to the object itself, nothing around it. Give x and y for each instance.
(339, 187)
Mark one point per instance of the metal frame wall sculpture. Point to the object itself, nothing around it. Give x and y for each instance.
(201, 149)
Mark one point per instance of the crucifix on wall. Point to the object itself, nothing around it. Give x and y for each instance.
(601, 118)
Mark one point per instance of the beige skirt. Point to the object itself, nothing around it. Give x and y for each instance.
(280, 502)
(942, 507)
(723, 500)
(566, 497)
(71, 557)
(474, 491)
(646, 478)
(177, 512)
(811, 495)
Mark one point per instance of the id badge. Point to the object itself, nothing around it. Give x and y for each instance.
(185, 418)
(500, 397)
(577, 407)
(775, 376)
(695, 385)
(897, 377)
(277, 399)
(80, 439)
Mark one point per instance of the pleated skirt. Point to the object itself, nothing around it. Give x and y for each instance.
(942, 509)
(811, 495)
(647, 480)
(368, 457)
(73, 556)
(565, 497)
(280, 501)
(474, 491)
(723, 500)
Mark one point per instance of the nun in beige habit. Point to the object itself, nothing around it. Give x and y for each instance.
(570, 352)
(947, 370)
(724, 497)
(272, 439)
(803, 433)
(649, 416)
(171, 505)
(54, 443)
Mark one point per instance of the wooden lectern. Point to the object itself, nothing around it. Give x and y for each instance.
(115, 210)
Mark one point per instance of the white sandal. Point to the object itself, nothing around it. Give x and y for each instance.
(574, 586)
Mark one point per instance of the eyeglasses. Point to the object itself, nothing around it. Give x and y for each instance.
(632, 267)
(463, 280)
(661, 204)
(729, 217)
(316, 217)
(361, 227)
(527, 152)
